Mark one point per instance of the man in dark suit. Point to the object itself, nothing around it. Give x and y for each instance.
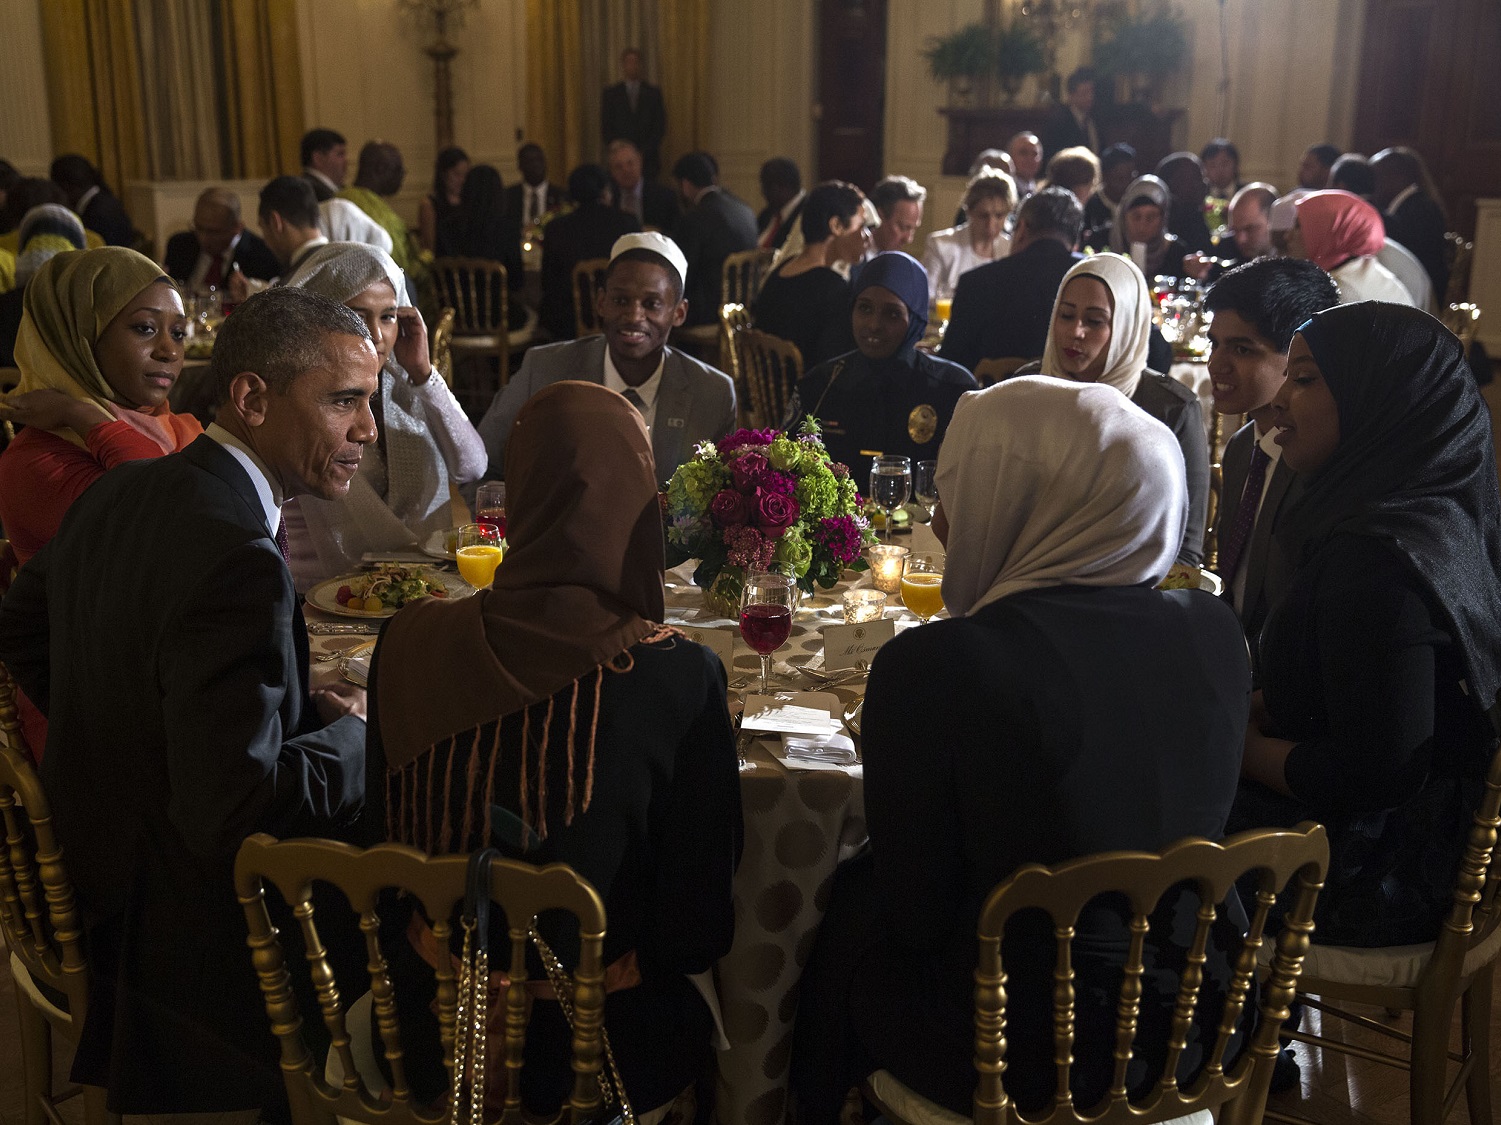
(650, 203)
(180, 718)
(325, 162)
(682, 400)
(715, 225)
(1257, 307)
(95, 204)
(1071, 124)
(590, 230)
(533, 197)
(782, 188)
(1002, 309)
(217, 246)
(1412, 216)
(632, 110)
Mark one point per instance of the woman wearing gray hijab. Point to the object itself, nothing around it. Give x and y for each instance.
(1140, 231)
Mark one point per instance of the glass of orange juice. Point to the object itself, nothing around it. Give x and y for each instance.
(944, 307)
(478, 552)
(922, 585)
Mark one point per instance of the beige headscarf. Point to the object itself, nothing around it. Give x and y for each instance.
(1130, 325)
(1048, 482)
(69, 302)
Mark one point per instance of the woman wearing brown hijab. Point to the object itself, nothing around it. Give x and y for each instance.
(554, 717)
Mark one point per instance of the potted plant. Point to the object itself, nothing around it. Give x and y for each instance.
(1019, 51)
(961, 58)
(1141, 51)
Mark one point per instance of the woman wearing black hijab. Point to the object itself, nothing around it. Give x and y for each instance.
(480, 227)
(1380, 659)
(885, 396)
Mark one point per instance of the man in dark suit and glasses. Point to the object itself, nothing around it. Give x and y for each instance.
(175, 683)
(1257, 308)
(632, 110)
(217, 246)
(715, 225)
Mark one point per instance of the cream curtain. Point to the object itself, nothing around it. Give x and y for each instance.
(176, 48)
(263, 87)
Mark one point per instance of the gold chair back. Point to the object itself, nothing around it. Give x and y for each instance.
(441, 352)
(1458, 253)
(993, 370)
(588, 279)
(733, 319)
(10, 379)
(1464, 321)
(1272, 858)
(772, 368)
(741, 276)
(437, 883)
(478, 292)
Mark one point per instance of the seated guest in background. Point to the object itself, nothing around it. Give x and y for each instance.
(481, 227)
(1003, 310)
(325, 162)
(341, 221)
(898, 201)
(449, 171)
(1187, 188)
(989, 198)
(682, 400)
(376, 181)
(885, 396)
(1257, 307)
(1140, 229)
(715, 225)
(1249, 218)
(401, 494)
(651, 204)
(782, 188)
(1025, 151)
(1352, 173)
(1221, 162)
(806, 299)
(996, 158)
(653, 821)
(95, 204)
(589, 231)
(1411, 210)
(1117, 173)
(24, 194)
(1071, 123)
(1377, 663)
(1076, 170)
(1317, 163)
(45, 232)
(534, 196)
(1099, 334)
(288, 216)
(1062, 720)
(217, 247)
(179, 710)
(1342, 234)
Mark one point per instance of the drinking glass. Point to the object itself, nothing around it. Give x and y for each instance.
(478, 552)
(766, 616)
(925, 486)
(890, 485)
(922, 585)
(490, 505)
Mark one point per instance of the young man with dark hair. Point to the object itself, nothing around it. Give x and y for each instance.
(1257, 308)
(325, 162)
(1314, 168)
(1071, 124)
(714, 225)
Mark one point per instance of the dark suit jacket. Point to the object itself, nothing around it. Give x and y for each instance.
(1061, 131)
(251, 254)
(659, 205)
(1235, 467)
(695, 402)
(715, 227)
(320, 189)
(105, 216)
(1419, 226)
(176, 693)
(556, 197)
(588, 232)
(1003, 308)
(644, 127)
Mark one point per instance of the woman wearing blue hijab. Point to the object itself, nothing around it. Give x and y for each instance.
(885, 396)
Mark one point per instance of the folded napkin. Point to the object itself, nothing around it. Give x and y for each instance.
(820, 752)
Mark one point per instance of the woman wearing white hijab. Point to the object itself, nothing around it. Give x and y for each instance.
(1067, 708)
(1099, 334)
(401, 494)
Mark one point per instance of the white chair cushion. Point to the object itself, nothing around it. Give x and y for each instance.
(915, 1109)
(1395, 966)
(22, 976)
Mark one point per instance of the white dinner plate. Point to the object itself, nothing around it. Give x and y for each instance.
(433, 548)
(324, 596)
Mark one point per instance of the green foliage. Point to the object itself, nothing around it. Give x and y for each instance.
(1155, 45)
(1019, 51)
(966, 53)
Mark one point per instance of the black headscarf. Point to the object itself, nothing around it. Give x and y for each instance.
(904, 276)
(1415, 468)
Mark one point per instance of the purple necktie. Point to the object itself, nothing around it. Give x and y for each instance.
(1245, 515)
(281, 542)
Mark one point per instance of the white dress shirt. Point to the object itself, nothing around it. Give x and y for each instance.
(533, 203)
(647, 391)
(265, 488)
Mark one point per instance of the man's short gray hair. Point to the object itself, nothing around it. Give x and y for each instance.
(896, 189)
(279, 334)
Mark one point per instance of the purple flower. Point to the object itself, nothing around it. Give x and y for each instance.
(840, 536)
(775, 512)
(773, 480)
(742, 438)
(729, 508)
(747, 469)
(748, 548)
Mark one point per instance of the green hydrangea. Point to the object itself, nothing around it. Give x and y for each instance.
(818, 493)
(794, 551)
(694, 485)
(785, 454)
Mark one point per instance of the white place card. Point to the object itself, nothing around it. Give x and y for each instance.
(794, 712)
(845, 646)
(721, 641)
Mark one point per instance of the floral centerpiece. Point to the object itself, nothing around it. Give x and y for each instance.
(764, 500)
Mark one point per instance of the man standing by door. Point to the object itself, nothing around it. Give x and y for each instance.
(632, 110)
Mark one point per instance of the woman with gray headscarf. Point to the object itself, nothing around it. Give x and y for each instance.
(401, 494)
(1140, 231)
(45, 231)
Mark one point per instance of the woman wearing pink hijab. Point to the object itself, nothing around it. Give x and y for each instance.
(1342, 233)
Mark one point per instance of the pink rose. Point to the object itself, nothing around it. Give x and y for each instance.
(747, 470)
(775, 513)
(728, 508)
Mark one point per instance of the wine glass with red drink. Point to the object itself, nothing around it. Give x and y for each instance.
(490, 505)
(766, 616)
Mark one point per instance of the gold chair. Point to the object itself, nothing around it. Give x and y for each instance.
(1238, 1091)
(441, 350)
(1428, 980)
(10, 379)
(41, 926)
(437, 883)
(993, 370)
(1464, 321)
(477, 291)
(772, 368)
(741, 276)
(588, 279)
(734, 319)
(1458, 254)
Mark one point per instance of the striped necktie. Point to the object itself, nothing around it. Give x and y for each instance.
(1245, 515)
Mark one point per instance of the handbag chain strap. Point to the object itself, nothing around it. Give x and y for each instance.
(469, 1032)
(612, 1086)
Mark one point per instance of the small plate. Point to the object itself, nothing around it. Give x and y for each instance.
(324, 596)
(433, 548)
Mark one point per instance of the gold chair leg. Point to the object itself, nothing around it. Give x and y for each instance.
(36, 1058)
(1430, 1058)
(1475, 1017)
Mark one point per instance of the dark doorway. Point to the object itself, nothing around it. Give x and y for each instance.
(851, 90)
(1428, 80)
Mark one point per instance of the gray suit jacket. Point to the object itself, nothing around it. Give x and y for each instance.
(695, 402)
(1236, 465)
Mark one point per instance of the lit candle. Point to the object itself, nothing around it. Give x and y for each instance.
(886, 567)
(863, 604)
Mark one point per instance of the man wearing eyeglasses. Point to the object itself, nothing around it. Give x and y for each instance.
(217, 245)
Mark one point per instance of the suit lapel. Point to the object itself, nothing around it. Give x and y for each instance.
(212, 457)
(673, 402)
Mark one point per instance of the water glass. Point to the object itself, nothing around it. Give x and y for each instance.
(890, 485)
(925, 486)
(490, 505)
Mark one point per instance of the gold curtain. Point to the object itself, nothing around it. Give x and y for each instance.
(684, 71)
(178, 61)
(263, 87)
(554, 77)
